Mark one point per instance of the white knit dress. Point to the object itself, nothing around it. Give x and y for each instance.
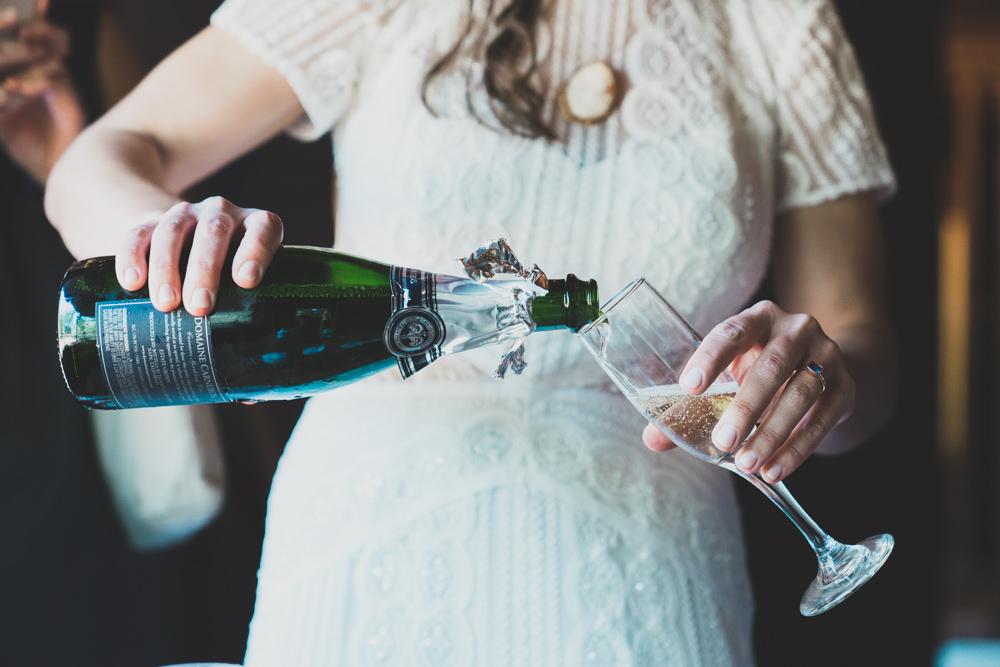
(456, 520)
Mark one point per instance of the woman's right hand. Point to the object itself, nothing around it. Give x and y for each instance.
(212, 225)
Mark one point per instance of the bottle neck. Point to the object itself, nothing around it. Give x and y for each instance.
(570, 304)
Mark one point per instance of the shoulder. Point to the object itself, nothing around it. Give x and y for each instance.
(787, 25)
(316, 45)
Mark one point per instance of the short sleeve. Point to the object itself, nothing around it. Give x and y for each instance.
(317, 45)
(828, 140)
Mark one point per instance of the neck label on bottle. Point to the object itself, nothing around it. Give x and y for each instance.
(415, 331)
(151, 358)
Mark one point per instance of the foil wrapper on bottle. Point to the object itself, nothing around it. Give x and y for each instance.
(496, 266)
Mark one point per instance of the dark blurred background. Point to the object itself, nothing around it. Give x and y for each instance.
(73, 593)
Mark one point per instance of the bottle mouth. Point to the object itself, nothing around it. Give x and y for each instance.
(610, 304)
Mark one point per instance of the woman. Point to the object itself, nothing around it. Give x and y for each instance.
(450, 520)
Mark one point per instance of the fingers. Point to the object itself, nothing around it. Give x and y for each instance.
(781, 415)
(723, 344)
(168, 238)
(130, 262)
(793, 403)
(654, 438)
(262, 235)
(782, 354)
(216, 225)
(836, 405)
(210, 226)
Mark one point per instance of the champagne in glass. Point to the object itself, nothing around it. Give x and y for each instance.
(643, 345)
(689, 419)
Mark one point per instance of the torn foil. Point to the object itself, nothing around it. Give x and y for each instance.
(497, 260)
(493, 265)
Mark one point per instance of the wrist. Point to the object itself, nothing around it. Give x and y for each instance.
(870, 356)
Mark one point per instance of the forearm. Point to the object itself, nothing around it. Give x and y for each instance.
(107, 182)
(870, 354)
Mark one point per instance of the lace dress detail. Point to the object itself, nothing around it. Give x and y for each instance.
(453, 520)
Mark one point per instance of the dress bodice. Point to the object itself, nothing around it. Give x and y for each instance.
(732, 111)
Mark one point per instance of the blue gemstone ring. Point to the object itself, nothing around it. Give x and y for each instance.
(816, 369)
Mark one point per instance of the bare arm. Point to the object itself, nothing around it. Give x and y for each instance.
(117, 188)
(829, 262)
(828, 269)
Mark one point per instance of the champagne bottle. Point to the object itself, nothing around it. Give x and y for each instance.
(320, 319)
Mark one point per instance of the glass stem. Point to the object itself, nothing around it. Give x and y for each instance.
(827, 549)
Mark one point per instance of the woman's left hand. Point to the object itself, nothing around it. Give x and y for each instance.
(766, 349)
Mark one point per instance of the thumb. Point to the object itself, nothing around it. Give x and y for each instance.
(653, 438)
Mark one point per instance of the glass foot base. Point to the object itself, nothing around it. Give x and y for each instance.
(853, 566)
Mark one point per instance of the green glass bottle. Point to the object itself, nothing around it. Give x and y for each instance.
(319, 319)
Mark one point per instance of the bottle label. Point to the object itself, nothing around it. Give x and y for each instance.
(151, 358)
(415, 331)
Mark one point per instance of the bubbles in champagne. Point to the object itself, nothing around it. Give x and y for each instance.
(689, 420)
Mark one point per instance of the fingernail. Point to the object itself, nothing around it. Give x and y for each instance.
(746, 460)
(693, 378)
(773, 474)
(132, 276)
(724, 436)
(166, 295)
(201, 298)
(249, 271)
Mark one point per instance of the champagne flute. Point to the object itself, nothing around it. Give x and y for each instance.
(643, 344)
